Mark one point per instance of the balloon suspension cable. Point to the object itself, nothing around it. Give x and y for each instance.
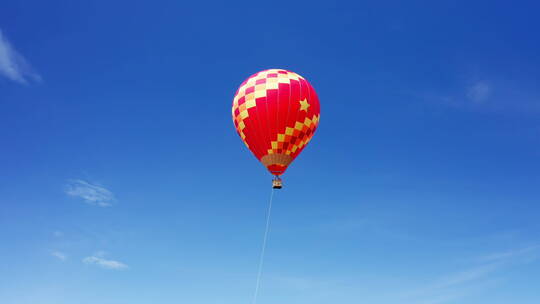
(261, 258)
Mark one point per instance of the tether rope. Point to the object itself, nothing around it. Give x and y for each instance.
(261, 258)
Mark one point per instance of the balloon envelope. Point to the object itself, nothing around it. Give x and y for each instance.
(276, 113)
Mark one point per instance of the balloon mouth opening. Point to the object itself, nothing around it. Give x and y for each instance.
(276, 170)
(276, 163)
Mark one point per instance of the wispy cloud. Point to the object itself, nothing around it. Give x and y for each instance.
(526, 253)
(91, 193)
(479, 92)
(13, 65)
(59, 255)
(99, 259)
(475, 95)
(465, 276)
(483, 274)
(489, 95)
(298, 282)
(364, 226)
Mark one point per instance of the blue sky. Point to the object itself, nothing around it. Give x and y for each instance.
(123, 179)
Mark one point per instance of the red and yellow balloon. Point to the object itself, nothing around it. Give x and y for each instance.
(276, 113)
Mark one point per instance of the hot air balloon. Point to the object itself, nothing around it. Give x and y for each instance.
(276, 113)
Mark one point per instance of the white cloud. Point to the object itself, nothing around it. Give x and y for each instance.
(59, 255)
(90, 193)
(466, 276)
(98, 259)
(58, 233)
(13, 65)
(479, 92)
(495, 96)
(484, 275)
(296, 282)
(527, 253)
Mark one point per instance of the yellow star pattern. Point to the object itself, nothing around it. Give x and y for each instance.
(304, 105)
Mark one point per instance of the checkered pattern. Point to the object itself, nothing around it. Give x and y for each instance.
(295, 138)
(275, 112)
(255, 87)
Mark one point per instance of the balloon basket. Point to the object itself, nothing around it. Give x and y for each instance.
(277, 183)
